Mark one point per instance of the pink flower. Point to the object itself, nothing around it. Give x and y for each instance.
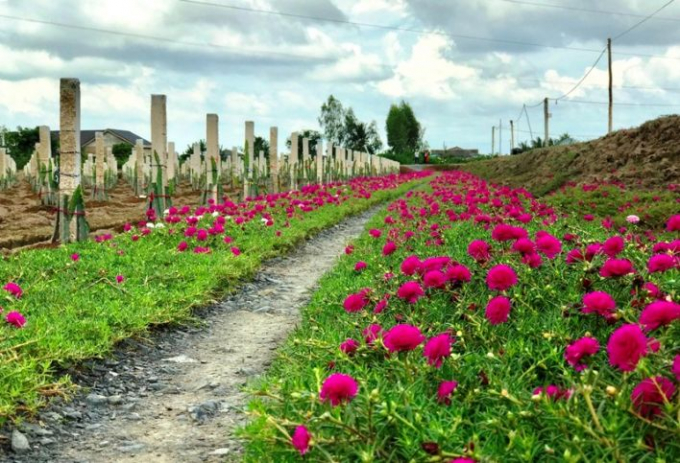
(533, 260)
(659, 313)
(504, 232)
(301, 439)
(501, 277)
(599, 302)
(480, 251)
(202, 235)
(235, 251)
(437, 349)
(633, 219)
(524, 246)
(120, 279)
(580, 348)
(650, 394)
(616, 268)
(349, 250)
(410, 292)
(459, 274)
(389, 248)
(445, 391)
(350, 346)
(575, 255)
(434, 279)
(673, 223)
(380, 306)
(553, 392)
(410, 265)
(675, 369)
(548, 245)
(181, 247)
(338, 388)
(613, 246)
(498, 310)
(402, 338)
(375, 233)
(15, 319)
(359, 266)
(356, 302)
(201, 250)
(661, 263)
(75, 257)
(14, 289)
(372, 333)
(626, 346)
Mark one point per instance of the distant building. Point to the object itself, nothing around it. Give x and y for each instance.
(455, 152)
(111, 137)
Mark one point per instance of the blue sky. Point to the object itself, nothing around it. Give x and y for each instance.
(277, 69)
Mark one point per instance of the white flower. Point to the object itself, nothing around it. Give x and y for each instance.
(166, 212)
(150, 225)
(632, 219)
(160, 225)
(215, 214)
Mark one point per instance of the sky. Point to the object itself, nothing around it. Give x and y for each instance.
(463, 65)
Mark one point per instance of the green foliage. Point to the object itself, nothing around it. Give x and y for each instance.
(341, 127)
(122, 152)
(564, 139)
(314, 138)
(261, 144)
(404, 132)
(21, 144)
(190, 150)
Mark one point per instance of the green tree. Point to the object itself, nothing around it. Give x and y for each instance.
(21, 144)
(361, 136)
(404, 132)
(261, 144)
(190, 150)
(314, 137)
(122, 152)
(332, 121)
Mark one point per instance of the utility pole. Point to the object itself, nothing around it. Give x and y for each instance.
(611, 90)
(512, 136)
(546, 116)
(493, 139)
(500, 137)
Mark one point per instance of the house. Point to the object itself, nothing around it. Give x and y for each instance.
(111, 137)
(455, 152)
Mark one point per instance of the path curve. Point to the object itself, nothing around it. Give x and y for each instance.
(178, 398)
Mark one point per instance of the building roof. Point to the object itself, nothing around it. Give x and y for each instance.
(87, 136)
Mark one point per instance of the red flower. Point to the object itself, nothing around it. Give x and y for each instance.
(599, 302)
(659, 313)
(553, 392)
(445, 390)
(360, 266)
(375, 233)
(434, 279)
(616, 268)
(501, 277)
(301, 439)
(402, 338)
(181, 247)
(580, 348)
(410, 292)
(498, 310)
(349, 250)
(350, 346)
(437, 349)
(650, 394)
(626, 346)
(480, 251)
(338, 388)
(661, 263)
(356, 302)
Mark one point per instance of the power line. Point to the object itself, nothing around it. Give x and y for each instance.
(636, 25)
(661, 105)
(586, 10)
(618, 87)
(585, 76)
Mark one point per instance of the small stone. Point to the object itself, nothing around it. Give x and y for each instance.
(19, 442)
(96, 400)
(115, 400)
(53, 416)
(181, 359)
(131, 448)
(46, 441)
(220, 452)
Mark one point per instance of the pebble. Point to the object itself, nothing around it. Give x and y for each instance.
(115, 400)
(220, 452)
(19, 442)
(96, 400)
(131, 448)
(181, 359)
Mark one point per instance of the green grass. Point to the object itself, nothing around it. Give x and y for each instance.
(396, 414)
(77, 310)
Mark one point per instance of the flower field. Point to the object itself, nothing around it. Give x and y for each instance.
(60, 306)
(476, 323)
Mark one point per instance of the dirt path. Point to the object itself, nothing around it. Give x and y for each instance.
(177, 398)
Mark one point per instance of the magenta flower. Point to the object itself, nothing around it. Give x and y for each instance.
(459, 274)
(626, 346)
(338, 388)
(349, 346)
(437, 349)
(445, 391)
(661, 263)
(410, 292)
(15, 319)
(235, 251)
(613, 246)
(480, 251)
(380, 306)
(75, 257)
(181, 247)
(356, 302)
(579, 349)
(616, 268)
(389, 248)
(14, 289)
(120, 279)
(375, 233)
(372, 333)
(403, 338)
(501, 277)
(349, 250)
(410, 265)
(434, 279)
(360, 266)
(650, 394)
(675, 369)
(673, 223)
(498, 310)
(553, 392)
(548, 245)
(300, 440)
(599, 302)
(659, 313)
(524, 246)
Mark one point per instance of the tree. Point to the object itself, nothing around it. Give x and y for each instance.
(314, 137)
(332, 121)
(361, 136)
(261, 144)
(190, 150)
(21, 144)
(122, 152)
(404, 132)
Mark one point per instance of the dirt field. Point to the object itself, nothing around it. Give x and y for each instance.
(24, 222)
